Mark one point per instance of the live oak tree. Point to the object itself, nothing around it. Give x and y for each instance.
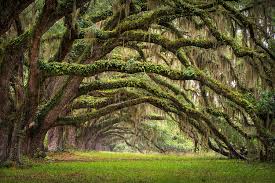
(207, 64)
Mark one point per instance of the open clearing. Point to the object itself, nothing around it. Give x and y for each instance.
(128, 167)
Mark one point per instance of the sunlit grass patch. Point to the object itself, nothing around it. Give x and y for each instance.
(131, 167)
(114, 156)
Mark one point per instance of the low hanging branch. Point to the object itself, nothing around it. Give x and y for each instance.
(190, 73)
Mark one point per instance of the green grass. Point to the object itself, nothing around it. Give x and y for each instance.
(126, 167)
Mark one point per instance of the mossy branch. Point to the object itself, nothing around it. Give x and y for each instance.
(60, 69)
(190, 73)
(104, 111)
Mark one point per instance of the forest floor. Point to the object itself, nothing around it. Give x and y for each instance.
(129, 167)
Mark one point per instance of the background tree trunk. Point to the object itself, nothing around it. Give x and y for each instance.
(5, 141)
(70, 137)
(55, 139)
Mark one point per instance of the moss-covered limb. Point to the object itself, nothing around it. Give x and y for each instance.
(44, 109)
(91, 102)
(99, 128)
(165, 60)
(144, 84)
(225, 91)
(140, 83)
(167, 43)
(150, 140)
(171, 87)
(237, 98)
(239, 50)
(173, 46)
(121, 135)
(58, 69)
(120, 130)
(113, 21)
(204, 129)
(140, 21)
(125, 82)
(113, 93)
(251, 5)
(244, 20)
(130, 34)
(223, 39)
(135, 21)
(201, 128)
(207, 6)
(144, 19)
(55, 69)
(20, 42)
(101, 112)
(121, 9)
(172, 29)
(181, 55)
(134, 46)
(218, 113)
(248, 24)
(218, 149)
(109, 122)
(142, 36)
(162, 104)
(153, 117)
(101, 16)
(200, 116)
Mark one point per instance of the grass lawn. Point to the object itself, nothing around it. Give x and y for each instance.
(126, 167)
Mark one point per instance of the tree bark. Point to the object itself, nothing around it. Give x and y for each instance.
(35, 144)
(5, 141)
(55, 139)
(71, 137)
